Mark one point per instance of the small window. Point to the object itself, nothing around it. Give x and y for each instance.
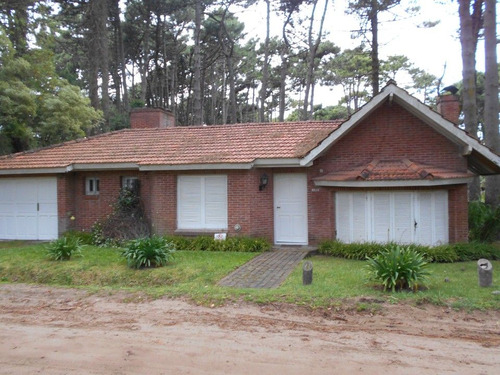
(92, 186)
(130, 183)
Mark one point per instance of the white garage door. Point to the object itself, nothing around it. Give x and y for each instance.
(393, 216)
(28, 208)
(202, 202)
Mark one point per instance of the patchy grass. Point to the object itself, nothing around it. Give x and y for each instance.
(195, 274)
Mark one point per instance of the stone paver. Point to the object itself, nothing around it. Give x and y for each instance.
(267, 270)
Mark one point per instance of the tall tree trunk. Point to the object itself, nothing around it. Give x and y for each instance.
(197, 105)
(232, 92)
(283, 75)
(491, 105)
(313, 50)
(103, 48)
(265, 67)
(17, 18)
(121, 59)
(144, 66)
(470, 24)
(374, 52)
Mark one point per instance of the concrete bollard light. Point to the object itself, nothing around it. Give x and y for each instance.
(307, 272)
(484, 272)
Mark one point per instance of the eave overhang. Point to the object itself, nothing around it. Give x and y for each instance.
(393, 183)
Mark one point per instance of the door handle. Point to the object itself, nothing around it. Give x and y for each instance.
(278, 207)
(38, 206)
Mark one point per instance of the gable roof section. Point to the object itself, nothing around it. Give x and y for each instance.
(480, 158)
(195, 147)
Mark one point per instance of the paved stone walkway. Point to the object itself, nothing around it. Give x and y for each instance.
(267, 270)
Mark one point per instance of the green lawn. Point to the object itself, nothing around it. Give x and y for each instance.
(195, 275)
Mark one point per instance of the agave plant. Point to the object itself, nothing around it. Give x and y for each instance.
(398, 268)
(154, 251)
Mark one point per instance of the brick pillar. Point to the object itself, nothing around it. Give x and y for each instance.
(449, 107)
(151, 118)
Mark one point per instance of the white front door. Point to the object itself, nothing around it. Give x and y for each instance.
(393, 216)
(290, 209)
(28, 208)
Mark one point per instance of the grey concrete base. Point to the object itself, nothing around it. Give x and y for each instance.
(267, 270)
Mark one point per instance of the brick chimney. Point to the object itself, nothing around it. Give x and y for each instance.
(151, 118)
(449, 107)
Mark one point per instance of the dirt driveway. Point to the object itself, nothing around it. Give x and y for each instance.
(65, 331)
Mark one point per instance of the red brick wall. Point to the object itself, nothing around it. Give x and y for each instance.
(87, 209)
(391, 133)
(458, 213)
(143, 118)
(65, 202)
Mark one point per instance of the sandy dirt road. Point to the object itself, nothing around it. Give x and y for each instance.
(47, 330)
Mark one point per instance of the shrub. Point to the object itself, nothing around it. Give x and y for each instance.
(440, 254)
(355, 250)
(484, 222)
(235, 244)
(63, 248)
(85, 238)
(475, 250)
(148, 252)
(458, 252)
(126, 222)
(398, 268)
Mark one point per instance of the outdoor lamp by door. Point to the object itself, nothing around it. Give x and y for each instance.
(263, 181)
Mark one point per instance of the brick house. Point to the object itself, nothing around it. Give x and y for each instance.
(394, 171)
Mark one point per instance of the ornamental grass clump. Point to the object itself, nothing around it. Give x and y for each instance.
(149, 252)
(398, 268)
(63, 248)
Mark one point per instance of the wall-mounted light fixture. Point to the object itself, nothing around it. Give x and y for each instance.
(264, 180)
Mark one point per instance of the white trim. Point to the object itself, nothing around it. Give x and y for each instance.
(414, 106)
(395, 183)
(92, 186)
(189, 167)
(294, 162)
(103, 166)
(25, 171)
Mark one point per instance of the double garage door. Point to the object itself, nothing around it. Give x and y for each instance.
(393, 216)
(28, 208)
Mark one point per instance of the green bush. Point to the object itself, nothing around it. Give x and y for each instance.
(398, 268)
(85, 238)
(475, 250)
(458, 252)
(148, 252)
(63, 248)
(235, 244)
(355, 250)
(484, 222)
(439, 254)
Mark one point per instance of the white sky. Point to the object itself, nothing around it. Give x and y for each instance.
(428, 49)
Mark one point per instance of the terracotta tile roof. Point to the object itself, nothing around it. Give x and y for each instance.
(387, 170)
(241, 143)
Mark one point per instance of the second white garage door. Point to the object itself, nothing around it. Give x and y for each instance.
(393, 216)
(28, 208)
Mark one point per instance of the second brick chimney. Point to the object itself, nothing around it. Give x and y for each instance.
(449, 107)
(151, 118)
